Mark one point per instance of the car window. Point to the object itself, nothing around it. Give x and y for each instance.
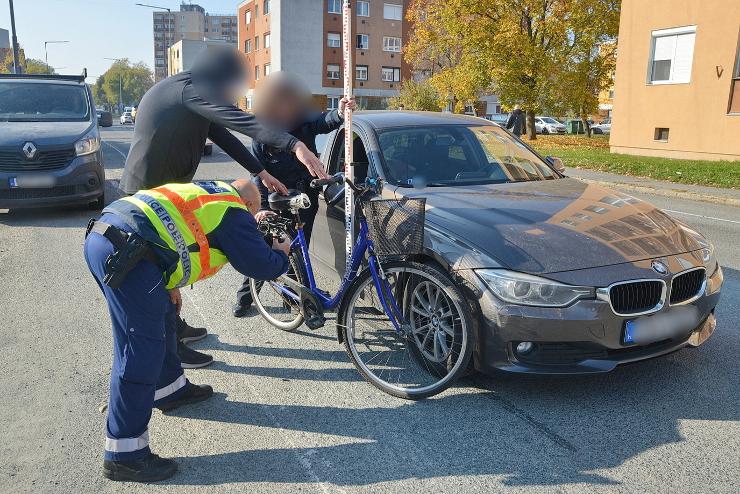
(38, 102)
(550, 120)
(448, 155)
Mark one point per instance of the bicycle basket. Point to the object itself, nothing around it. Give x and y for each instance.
(397, 227)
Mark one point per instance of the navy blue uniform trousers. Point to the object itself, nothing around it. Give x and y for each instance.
(146, 369)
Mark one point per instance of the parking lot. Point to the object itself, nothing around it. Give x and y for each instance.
(291, 414)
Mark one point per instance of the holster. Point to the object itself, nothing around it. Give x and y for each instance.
(130, 249)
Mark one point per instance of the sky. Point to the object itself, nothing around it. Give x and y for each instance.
(95, 29)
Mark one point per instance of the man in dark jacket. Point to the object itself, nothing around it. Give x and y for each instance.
(173, 121)
(283, 100)
(516, 121)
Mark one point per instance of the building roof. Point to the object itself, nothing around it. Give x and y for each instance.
(390, 118)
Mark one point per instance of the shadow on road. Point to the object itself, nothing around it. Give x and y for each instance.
(531, 430)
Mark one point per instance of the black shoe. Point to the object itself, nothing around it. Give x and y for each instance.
(149, 469)
(241, 309)
(193, 394)
(190, 359)
(188, 334)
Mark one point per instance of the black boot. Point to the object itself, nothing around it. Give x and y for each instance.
(188, 334)
(149, 469)
(192, 394)
(190, 359)
(241, 308)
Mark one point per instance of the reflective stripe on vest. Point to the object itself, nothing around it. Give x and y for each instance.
(183, 215)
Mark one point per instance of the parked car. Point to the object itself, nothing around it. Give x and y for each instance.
(105, 118)
(49, 142)
(560, 276)
(548, 125)
(126, 118)
(605, 127)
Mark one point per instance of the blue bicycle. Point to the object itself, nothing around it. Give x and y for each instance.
(404, 324)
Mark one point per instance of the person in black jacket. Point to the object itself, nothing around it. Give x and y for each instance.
(283, 100)
(173, 120)
(516, 121)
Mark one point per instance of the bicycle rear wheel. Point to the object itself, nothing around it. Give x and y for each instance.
(278, 307)
(434, 346)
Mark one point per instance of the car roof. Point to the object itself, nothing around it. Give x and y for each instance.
(380, 119)
(44, 78)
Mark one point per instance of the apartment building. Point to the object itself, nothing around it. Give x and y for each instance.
(4, 39)
(183, 53)
(192, 22)
(305, 37)
(678, 80)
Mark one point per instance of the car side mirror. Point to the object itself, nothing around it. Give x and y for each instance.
(556, 163)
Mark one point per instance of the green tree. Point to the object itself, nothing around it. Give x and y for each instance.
(33, 66)
(6, 64)
(132, 80)
(417, 95)
(524, 50)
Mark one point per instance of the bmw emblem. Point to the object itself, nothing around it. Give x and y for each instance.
(29, 149)
(659, 267)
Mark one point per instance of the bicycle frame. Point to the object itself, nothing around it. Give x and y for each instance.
(362, 245)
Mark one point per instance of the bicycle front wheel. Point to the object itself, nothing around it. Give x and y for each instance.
(434, 345)
(276, 300)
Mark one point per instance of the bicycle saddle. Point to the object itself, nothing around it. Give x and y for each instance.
(295, 200)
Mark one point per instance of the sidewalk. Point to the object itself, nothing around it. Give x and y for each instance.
(702, 193)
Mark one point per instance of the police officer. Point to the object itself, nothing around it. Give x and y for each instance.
(283, 101)
(173, 121)
(141, 251)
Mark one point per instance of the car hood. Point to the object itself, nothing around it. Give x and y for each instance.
(556, 225)
(41, 133)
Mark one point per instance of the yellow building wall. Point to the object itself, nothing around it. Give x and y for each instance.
(695, 113)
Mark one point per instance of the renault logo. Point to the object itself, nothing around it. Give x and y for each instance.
(659, 267)
(29, 150)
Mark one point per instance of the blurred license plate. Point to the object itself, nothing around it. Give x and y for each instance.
(32, 181)
(661, 326)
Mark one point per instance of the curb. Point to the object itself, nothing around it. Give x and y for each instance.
(682, 194)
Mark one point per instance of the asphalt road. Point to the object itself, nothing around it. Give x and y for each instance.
(292, 415)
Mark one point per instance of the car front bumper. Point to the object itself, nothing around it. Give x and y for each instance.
(586, 337)
(81, 181)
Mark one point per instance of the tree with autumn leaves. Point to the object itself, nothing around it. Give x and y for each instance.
(546, 55)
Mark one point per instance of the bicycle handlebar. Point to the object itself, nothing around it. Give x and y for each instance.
(320, 182)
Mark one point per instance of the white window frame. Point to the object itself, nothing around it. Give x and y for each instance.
(267, 69)
(331, 74)
(394, 71)
(357, 41)
(266, 7)
(332, 102)
(361, 69)
(248, 17)
(337, 4)
(363, 12)
(662, 33)
(267, 41)
(248, 45)
(256, 72)
(394, 7)
(334, 37)
(396, 48)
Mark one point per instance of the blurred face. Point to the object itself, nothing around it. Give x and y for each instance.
(281, 101)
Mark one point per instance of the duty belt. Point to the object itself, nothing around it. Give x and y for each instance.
(130, 249)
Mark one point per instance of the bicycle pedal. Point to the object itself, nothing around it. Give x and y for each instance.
(315, 321)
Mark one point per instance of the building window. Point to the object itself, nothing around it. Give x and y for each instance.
(661, 134)
(672, 55)
(247, 46)
(332, 102)
(249, 102)
(267, 40)
(363, 41)
(391, 74)
(266, 8)
(256, 43)
(391, 43)
(361, 72)
(248, 16)
(332, 71)
(256, 72)
(735, 88)
(392, 11)
(335, 6)
(363, 9)
(267, 69)
(334, 40)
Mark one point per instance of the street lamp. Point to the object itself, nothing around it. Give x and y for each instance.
(120, 85)
(166, 33)
(46, 52)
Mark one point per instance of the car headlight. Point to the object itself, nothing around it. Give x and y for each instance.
(88, 144)
(525, 289)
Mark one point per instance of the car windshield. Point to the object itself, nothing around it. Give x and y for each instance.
(549, 120)
(450, 155)
(39, 102)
